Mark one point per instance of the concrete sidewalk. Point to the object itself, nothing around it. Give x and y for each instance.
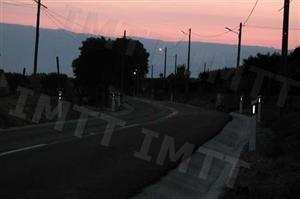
(211, 168)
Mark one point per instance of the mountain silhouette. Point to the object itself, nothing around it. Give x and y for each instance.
(17, 47)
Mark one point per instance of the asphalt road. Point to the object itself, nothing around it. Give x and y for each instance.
(39, 162)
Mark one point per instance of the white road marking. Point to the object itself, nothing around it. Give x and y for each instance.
(22, 149)
(172, 114)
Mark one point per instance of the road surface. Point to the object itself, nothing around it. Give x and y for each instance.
(39, 162)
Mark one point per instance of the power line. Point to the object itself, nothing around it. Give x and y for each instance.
(211, 36)
(18, 4)
(233, 29)
(65, 18)
(251, 12)
(53, 16)
(58, 24)
(270, 27)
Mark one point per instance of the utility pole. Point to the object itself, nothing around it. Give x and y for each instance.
(165, 65)
(189, 51)
(60, 92)
(285, 41)
(151, 82)
(239, 45)
(188, 67)
(24, 71)
(285, 35)
(123, 62)
(57, 65)
(175, 72)
(151, 71)
(37, 35)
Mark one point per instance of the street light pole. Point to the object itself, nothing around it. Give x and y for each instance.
(165, 63)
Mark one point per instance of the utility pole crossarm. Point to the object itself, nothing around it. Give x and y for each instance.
(38, 2)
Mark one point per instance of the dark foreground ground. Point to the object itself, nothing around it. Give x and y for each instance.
(275, 165)
(69, 167)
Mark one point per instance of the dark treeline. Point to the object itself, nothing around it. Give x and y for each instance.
(99, 67)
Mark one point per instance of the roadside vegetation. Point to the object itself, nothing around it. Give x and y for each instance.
(275, 166)
(97, 74)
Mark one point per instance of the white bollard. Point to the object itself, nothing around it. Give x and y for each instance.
(119, 101)
(219, 100)
(259, 108)
(253, 109)
(59, 105)
(241, 105)
(113, 103)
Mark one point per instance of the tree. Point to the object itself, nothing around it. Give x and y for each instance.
(272, 63)
(133, 57)
(101, 60)
(181, 72)
(94, 65)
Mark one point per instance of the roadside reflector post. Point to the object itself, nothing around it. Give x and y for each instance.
(253, 109)
(172, 97)
(259, 108)
(218, 101)
(119, 100)
(60, 106)
(241, 105)
(113, 101)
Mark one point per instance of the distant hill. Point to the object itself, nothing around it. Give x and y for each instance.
(17, 46)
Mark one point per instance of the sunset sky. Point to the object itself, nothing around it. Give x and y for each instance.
(163, 19)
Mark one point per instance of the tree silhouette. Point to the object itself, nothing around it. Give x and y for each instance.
(273, 63)
(101, 62)
(181, 72)
(133, 57)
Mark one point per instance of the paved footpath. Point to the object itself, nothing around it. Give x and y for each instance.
(211, 168)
